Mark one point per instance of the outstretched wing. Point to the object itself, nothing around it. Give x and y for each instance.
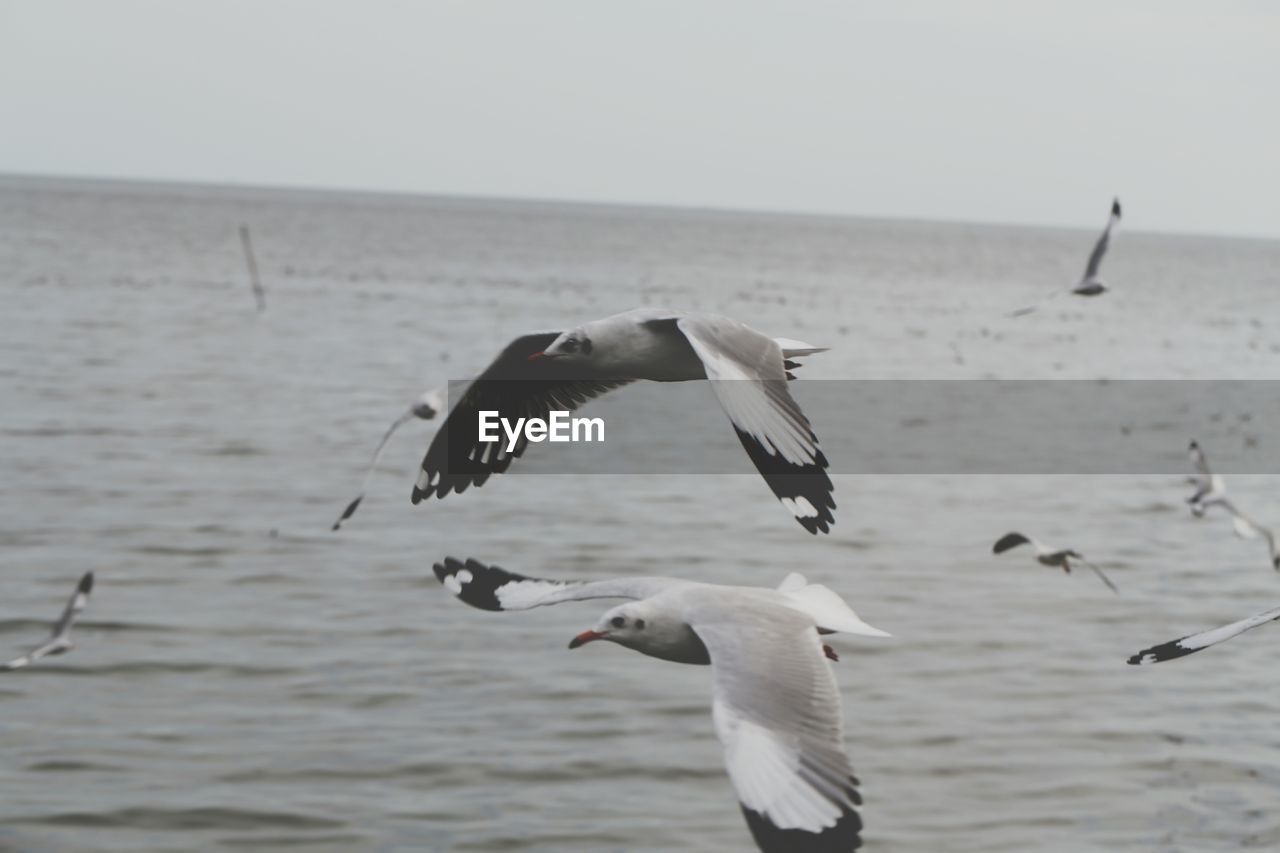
(1196, 642)
(373, 462)
(494, 588)
(777, 712)
(1101, 575)
(59, 638)
(749, 378)
(514, 387)
(1100, 249)
(75, 605)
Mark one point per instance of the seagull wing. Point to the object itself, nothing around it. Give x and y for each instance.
(749, 378)
(75, 606)
(373, 462)
(1022, 312)
(1097, 571)
(1196, 642)
(1100, 249)
(514, 387)
(59, 638)
(777, 712)
(494, 588)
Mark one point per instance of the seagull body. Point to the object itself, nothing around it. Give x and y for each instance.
(776, 706)
(59, 640)
(1196, 642)
(1059, 558)
(1091, 283)
(562, 370)
(424, 408)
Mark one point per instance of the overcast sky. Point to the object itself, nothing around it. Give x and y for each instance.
(996, 111)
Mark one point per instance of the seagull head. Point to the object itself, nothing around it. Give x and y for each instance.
(573, 345)
(428, 405)
(630, 625)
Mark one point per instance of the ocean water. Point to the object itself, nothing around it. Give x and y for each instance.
(248, 679)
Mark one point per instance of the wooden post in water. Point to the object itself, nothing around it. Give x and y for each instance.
(258, 293)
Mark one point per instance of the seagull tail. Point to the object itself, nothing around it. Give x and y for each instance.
(827, 609)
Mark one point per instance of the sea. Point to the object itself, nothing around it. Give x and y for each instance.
(245, 678)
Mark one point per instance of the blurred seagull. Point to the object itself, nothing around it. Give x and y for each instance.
(1210, 488)
(1091, 284)
(425, 407)
(775, 702)
(1196, 642)
(1046, 556)
(60, 640)
(539, 372)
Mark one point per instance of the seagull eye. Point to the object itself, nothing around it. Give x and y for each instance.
(570, 345)
(617, 622)
(639, 624)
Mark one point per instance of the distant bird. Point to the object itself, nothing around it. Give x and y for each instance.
(1211, 491)
(425, 407)
(775, 705)
(539, 372)
(1196, 642)
(60, 639)
(1047, 556)
(1091, 284)
(1210, 488)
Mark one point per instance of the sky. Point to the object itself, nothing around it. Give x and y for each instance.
(1028, 113)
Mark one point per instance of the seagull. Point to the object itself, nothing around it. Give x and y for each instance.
(1091, 284)
(1196, 642)
(1210, 487)
(775, 704)
(60, 640)
(542, 371)
(425, 407)
(1047, 556)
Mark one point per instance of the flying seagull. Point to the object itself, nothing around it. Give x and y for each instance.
(539, 372)
(1210, 488)
(1047, 556)
(425, 407)
(1091, 284)
(1196, 642)
(775, 705)
(60, 640)
(1211, 491)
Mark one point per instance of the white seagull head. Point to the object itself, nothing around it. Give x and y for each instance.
(636, 625)
(572, 346)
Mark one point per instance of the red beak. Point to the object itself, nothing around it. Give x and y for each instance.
(536, 356)
(584, 638)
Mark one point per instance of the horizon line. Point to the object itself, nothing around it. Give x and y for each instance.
(481, 198)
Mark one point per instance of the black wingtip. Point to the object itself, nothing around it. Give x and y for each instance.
(1115, 207)
(86, 583)
(474, 582)
(1163, 652)
(418, 495)
(347, 513)
(845, 835)
(1007, 541)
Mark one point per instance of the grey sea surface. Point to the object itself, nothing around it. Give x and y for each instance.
(247, 679)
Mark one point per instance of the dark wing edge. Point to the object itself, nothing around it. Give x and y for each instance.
(515, 388)
(1007, 541)
(846, 834)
